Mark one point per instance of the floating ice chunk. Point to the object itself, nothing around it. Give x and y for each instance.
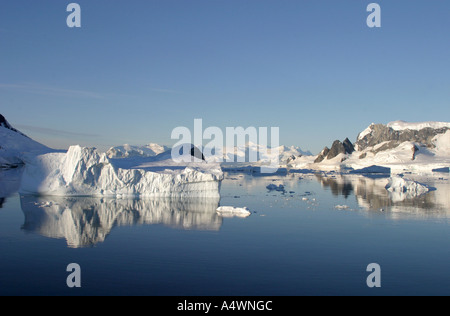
(274, 187)
(231, 211)
(341, 207)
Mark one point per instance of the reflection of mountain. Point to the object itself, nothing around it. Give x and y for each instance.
(371, 194)
(9, 183)
(87, 221)
(344, 188)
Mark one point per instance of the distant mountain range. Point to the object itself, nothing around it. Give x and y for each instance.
(398, 145)
(227, 155)
(127, 151)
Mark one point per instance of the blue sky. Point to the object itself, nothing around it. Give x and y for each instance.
(135, 70)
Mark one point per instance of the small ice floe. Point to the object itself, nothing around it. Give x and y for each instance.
(274, 187)
(341, 207)
(231, 211)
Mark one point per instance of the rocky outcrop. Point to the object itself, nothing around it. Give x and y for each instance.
(323, 154)
(378, 133)
(337, 148)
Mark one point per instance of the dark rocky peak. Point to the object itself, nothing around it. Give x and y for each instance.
(337, 148)
(4, 123)
(323, 154)
(349, 148)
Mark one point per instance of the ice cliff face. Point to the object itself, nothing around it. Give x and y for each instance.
(86, 172)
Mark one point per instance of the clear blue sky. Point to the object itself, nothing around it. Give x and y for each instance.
(137, 69)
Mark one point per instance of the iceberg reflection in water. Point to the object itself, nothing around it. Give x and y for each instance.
(86, 221)
(371, 195)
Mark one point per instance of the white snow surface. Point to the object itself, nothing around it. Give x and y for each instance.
(402, 125)
(86, 172)
(365, 132)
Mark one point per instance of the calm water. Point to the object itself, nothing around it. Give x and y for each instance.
(315, 238)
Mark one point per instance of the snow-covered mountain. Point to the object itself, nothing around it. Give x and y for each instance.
(250, 152)
(127, 151)
(16, 146)
(236, 156)
(399, 146)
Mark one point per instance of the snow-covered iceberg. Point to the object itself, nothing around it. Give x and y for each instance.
(86, 172)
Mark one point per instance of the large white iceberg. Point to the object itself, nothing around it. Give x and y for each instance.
(86, 172)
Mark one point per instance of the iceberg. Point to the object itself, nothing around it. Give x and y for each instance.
(86, 172)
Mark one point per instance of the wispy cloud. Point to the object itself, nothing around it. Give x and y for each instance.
(52, 131)
(55, 91)
(63, 92)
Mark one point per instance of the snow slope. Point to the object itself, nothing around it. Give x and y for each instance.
(402, 125)
(16, 146)
(86, 172)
